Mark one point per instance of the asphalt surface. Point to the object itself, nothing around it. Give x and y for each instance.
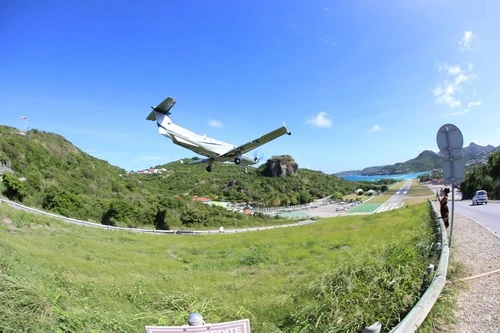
(486, 215)
(397, 200)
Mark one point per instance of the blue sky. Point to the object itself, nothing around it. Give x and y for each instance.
(358, 83)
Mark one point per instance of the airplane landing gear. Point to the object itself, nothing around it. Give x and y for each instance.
(237, 160)
(209, 166)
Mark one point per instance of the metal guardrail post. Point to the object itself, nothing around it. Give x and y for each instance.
(195, 319)
(373, 328)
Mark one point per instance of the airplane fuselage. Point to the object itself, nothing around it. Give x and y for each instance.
(200, 144)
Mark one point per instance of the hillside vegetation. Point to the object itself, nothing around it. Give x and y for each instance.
(58, 177)
(483, 177)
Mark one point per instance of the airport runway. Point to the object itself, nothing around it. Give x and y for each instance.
(397, 200)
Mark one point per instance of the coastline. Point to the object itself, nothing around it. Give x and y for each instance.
(402, 176)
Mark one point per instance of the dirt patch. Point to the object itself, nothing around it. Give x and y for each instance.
(8, 223)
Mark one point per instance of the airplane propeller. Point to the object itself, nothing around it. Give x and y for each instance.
(257, 158)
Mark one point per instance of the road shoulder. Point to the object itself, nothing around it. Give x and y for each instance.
(478, 302)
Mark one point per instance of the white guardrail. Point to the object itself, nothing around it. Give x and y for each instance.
(410, 323)
(150, 231)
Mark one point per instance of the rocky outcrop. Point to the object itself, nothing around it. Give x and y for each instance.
(6, 166)
(280, 166)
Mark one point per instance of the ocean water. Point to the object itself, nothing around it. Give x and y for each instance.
(375, 178)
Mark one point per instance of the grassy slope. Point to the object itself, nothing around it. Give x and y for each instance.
(55, 276)
(419, 193)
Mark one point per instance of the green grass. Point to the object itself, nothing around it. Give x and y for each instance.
(335, 275)
(366, 207)
(443, 314)
(419, 193)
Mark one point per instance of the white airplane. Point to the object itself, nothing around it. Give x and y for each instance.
(213, 149)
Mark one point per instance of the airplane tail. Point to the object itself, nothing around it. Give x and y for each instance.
(163, 108)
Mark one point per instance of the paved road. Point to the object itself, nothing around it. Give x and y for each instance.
(397, 200)
(486, 215)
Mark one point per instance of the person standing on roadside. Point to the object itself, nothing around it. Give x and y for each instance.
(443, 206)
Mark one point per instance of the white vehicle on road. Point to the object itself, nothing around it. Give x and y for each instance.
(480, 197)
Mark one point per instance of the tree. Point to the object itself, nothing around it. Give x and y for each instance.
(494, 164)
(120, 211)
(305, 197)
(160, 221)
(14, 188)
(193, 215)
(61, 201)
(484, 177)
(337, 196)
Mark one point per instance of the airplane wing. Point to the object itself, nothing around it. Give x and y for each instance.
(200, 160)
(257, 142)
(164, 107)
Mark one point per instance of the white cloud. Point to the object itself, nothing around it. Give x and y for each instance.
(438, 91)
(469, 106)
(449, 100)
(454, 70)
(460, 78)
(445, 93)
(375, 128)
(468, 41)
(473, 104)
(458, 113)
(215, 123)
(442, 66)
(320, 120)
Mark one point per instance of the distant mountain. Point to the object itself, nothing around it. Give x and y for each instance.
(426, 161)
(475, 154)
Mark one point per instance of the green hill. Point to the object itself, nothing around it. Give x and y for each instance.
(57, 176)
(425, 161)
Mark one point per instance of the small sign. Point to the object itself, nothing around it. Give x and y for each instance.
(449, 140)
(238, 326)
(453, 170)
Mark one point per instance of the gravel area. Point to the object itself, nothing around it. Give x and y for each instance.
(479, 302)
